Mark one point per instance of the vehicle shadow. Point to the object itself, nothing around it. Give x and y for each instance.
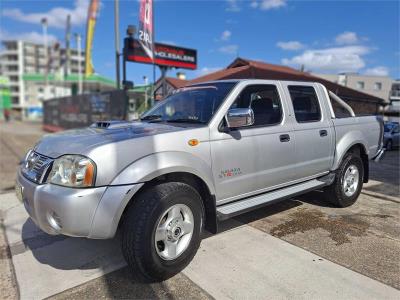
(71, 253)
(101, 256)
(257, 214)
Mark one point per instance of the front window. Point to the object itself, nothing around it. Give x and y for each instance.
(264, 101)
(193, 104)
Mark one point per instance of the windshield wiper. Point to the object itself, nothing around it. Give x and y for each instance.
(182, 120)
(151, 118)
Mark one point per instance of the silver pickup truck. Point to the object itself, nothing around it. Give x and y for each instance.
(208, 152)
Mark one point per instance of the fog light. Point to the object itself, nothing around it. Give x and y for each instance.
(54, 221)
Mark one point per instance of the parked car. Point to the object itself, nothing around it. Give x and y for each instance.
(208, 152)
(391, 135)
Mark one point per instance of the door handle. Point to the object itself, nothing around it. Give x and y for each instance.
(323, 132)
(284, 138)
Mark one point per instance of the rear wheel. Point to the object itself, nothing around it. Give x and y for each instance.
(348, 183)
(161, 231)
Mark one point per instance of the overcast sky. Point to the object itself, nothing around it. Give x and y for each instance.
(324, 36)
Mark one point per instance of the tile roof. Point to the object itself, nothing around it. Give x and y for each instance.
(176, 82)
(242, 68)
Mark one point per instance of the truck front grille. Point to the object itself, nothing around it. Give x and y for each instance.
(36, 166)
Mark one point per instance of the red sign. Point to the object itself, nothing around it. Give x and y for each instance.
(164, 55)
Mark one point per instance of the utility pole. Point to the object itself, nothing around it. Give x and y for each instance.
(78, 43)
(67, 46)
(131, 30)
(46, 57)
(117, 51)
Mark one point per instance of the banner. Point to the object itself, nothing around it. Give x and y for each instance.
(164, 55)
(146, 27)
(91, 23)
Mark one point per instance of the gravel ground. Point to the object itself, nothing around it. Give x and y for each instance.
(364, 237)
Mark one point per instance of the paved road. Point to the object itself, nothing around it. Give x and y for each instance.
(363, 240)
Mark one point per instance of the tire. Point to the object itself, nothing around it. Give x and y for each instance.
(389, 145)
(339, 194)
(147, 213)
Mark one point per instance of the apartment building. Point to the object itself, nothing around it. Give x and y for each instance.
(18, 58)
(378, 86)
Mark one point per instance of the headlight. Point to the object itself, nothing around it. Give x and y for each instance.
(73, 171)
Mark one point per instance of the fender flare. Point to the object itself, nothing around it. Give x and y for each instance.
(157, 164)
(346, 142)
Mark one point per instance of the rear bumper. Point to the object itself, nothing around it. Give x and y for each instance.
(88, 212)
(379, 155)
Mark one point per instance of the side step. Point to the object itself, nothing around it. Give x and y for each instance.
(230, 210)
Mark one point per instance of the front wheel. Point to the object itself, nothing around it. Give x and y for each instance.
(162, 231)
(348, 183)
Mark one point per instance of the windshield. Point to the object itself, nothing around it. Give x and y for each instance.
(193, 104)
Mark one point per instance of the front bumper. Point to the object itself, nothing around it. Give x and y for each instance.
(86, 212)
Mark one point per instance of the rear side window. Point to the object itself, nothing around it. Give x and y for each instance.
(305, 103)
(264, 101)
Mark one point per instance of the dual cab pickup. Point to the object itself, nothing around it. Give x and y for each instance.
(208, 152)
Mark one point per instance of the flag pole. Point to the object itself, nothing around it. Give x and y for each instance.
(154, 65)
(117, 51)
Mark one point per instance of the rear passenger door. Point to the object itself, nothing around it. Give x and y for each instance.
(313, 132)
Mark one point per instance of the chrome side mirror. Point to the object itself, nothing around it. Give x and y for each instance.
(239, 117)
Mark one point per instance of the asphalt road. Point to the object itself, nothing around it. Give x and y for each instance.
(364, 238)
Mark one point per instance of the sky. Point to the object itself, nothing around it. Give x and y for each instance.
(324, 36)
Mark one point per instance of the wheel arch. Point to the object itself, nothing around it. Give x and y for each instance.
(359, 149)
(208, 199)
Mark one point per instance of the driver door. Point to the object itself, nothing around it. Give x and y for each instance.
(258, 158)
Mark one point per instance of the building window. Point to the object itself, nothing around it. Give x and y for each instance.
(360, 85)
(378, 86)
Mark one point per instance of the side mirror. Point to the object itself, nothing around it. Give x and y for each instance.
(239, 117)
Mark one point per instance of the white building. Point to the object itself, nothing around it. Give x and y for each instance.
(378, 86)
(392, 111)
(19, 58)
